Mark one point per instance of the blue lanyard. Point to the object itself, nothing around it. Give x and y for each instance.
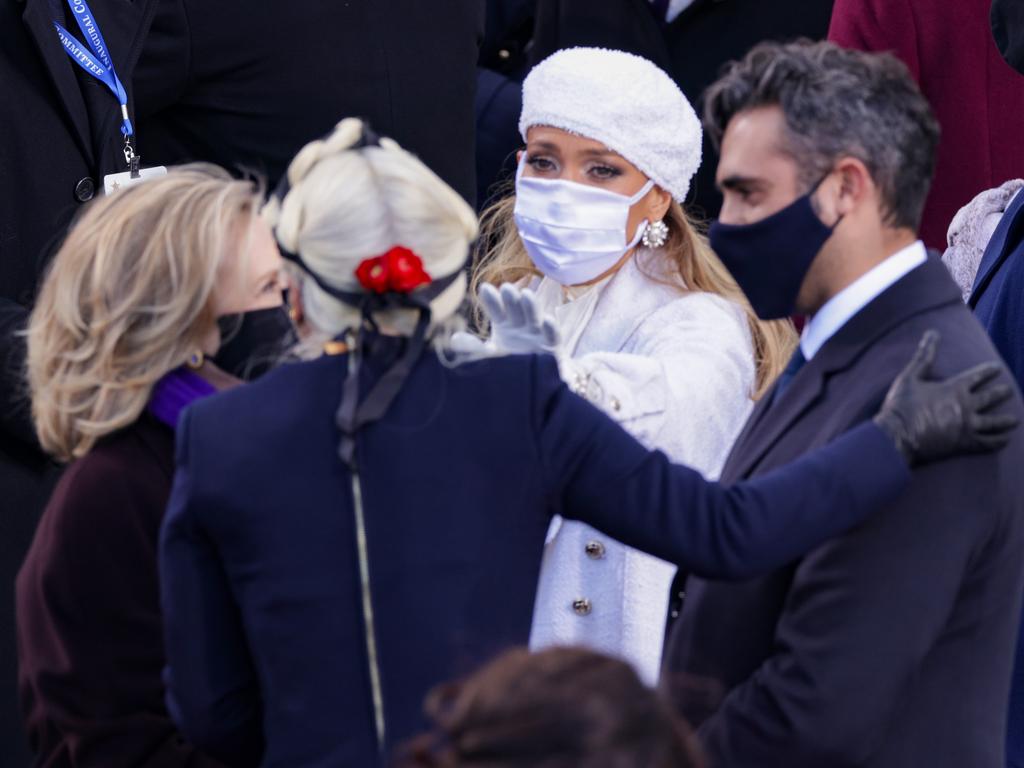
(98, 62)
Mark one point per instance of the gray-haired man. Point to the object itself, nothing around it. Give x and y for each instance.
(891, 646)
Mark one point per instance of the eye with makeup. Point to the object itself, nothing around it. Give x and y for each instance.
(541, 163)
(603, 172)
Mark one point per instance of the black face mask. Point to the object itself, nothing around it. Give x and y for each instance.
(1008, 31)
(254, 342)
(770, 258)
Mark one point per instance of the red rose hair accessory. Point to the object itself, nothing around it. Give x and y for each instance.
(397, 271)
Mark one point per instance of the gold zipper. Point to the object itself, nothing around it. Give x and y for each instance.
(367, 599)
(368, 620)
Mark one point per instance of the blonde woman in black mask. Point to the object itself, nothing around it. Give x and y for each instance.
(118, 345)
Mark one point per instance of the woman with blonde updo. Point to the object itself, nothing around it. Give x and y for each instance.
(118, 344)
(353, 529)
(653, 329)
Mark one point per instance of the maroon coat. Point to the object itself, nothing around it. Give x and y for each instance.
(90, 636)
(977, 97)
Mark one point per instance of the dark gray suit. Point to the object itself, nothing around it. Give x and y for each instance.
(888, 647)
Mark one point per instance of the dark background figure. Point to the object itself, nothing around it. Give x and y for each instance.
(977, 97)
(524, 709)
(503, 65)
(692, 48)
(998, 302)
(243, 85)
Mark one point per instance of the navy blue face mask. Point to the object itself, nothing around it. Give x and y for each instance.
(770, 258)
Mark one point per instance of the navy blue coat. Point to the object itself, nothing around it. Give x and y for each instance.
(890, 646)
(266, 638)
(998, 302)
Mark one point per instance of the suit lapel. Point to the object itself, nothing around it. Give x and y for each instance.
(1008, 233)
(770, 421)
(39, 16)
(924, 288)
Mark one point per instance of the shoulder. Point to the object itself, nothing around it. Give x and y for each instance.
(109, 501)
(133, 464)
(711, 315)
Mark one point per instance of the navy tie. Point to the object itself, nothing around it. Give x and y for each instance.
(796, 362)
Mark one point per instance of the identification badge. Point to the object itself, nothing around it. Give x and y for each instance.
(114, 182)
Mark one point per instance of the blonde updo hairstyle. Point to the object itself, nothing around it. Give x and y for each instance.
(686, 262)
(347, 204)
(128, 298)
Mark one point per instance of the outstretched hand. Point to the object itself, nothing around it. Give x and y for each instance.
(931, 420)
(517, 325)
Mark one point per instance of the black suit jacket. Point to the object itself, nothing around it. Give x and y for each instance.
(693, 48)
(890, 646)
(58, 136)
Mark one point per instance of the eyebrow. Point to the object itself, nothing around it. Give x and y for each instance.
(549, 146)
(736, 182)
(542, 145)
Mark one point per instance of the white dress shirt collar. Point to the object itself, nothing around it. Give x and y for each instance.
(838, 310)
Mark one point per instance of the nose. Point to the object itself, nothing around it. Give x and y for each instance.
(730, 212)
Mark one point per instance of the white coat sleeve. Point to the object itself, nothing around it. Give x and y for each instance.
(682, 383)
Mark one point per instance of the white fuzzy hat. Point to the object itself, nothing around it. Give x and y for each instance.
(623, 101)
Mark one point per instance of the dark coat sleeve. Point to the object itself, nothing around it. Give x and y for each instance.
(212, 690)
(605, 478)
(1004, 318)
(15, 411)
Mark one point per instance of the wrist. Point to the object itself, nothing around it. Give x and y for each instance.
(892, 428)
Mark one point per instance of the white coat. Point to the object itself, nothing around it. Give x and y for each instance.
(676, 370)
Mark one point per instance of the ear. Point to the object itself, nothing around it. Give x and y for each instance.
(656, 203)
(855, 185)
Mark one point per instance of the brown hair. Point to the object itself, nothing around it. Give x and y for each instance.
(690, 265)
(560, 708)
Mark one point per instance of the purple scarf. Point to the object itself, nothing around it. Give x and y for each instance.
(174, 392)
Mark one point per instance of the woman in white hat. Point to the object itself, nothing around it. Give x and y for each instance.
(653, 329)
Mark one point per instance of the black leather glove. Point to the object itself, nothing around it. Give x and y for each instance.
(930, 420)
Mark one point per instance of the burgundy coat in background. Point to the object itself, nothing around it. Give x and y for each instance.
(90, 634)
(977, 97)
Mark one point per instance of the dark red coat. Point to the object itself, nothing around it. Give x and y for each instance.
(90, 635)
(977, 97)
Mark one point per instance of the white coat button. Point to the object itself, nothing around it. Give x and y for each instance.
(582, 607)
(616, 405)
(594, 549)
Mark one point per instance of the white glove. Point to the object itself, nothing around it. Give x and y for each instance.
(517, 325)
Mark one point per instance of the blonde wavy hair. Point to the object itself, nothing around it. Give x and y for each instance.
(347, 204)
(128, 298)
(691, 266)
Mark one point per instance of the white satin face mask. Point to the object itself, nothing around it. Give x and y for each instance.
(573, 232)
